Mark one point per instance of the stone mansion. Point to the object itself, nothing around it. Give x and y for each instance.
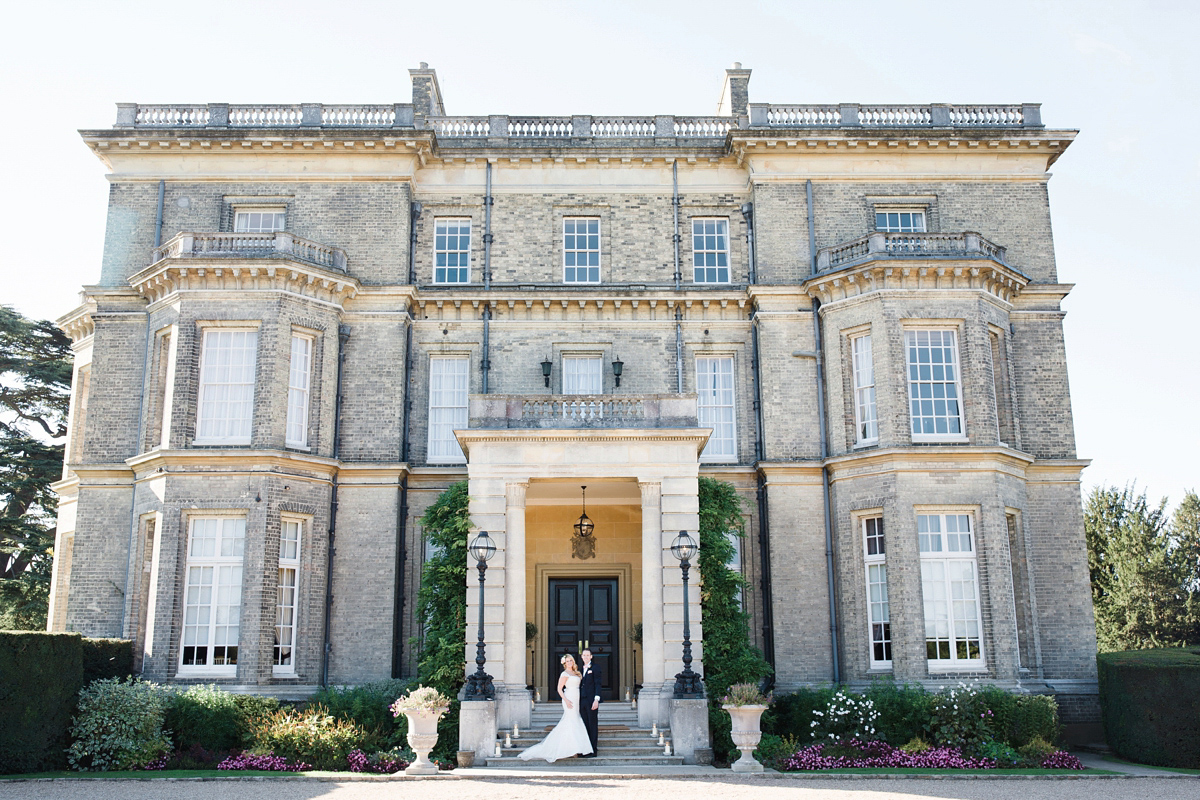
(311, 319)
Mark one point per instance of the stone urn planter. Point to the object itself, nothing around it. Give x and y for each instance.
(422, 738)
(422, 707)
(746, 734)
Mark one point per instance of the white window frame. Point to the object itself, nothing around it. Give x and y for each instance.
(715, 400)
(941, 568)
(214, 395)
(907, 219)
(287, 595)
(735, 564)
(866, 411)
(582, 374)
(299, 390)
(445, 417)
(701, 249)
(878, 608)
(243, 214)
(922, 408)
(587, 250)
(203, 611)
(440, 233)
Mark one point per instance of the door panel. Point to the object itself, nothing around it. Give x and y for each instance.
(584, 610)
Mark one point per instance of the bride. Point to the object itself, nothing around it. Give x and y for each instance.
(569, 737)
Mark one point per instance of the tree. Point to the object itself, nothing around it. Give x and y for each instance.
(35, 384)
(1144, 591)
(729, 657)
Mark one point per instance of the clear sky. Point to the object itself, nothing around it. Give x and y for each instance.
(1123, 197)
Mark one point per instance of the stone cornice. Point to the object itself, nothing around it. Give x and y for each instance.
(966, 458)
(1041, 296)
(174, 275)
(79, 323)
(611, 303)
(643, 436)
(220, 460)
(985, 275)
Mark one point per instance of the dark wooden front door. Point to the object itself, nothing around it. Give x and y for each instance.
(584, 610)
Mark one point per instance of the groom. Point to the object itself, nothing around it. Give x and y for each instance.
(589, 699)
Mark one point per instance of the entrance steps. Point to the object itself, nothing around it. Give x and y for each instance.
(622, 743)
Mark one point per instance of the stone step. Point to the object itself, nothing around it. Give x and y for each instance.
(606, 749)
(605, 741)
(509, 762)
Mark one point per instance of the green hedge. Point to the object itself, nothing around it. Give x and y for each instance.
(1149, 701)
(40, 676)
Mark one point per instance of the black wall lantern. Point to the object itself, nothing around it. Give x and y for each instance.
(617, 367)
(583, 544)
(547, 365)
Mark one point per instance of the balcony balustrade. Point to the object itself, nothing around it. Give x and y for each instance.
(879, 245)
(498, 411)
(280, 244)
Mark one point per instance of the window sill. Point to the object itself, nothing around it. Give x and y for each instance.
(434, 463)
(880, 669)
(940, 440)
(936, 667)
(206, 672)
(865, 444)
(220, 442)
(303, 448)
(290, 674)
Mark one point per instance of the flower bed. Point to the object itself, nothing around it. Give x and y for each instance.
(876, 754)
(267, 763)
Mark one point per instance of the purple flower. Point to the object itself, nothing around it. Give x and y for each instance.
(267, 763)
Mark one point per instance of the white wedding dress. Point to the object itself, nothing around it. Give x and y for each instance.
(569, 735)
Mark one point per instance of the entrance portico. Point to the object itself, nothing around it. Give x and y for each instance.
(517, 472)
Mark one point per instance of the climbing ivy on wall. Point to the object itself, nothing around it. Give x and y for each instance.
(442, 604)
(729, 657)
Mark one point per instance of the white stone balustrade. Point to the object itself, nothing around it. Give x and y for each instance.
(575, 411)
(933, 115)
(879, 244)
(279, 244)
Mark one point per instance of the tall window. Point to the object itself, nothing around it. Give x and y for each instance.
(285, 603)
(258, 220)
(710, 250)
(950, 587)
(447, 407)
(581, 250)
(451, 250)
(866, 423)
(735, 563)
(213, 598)
(879, 616)
(933, 392)
(583, 375)
(226, 387)
(900, 221)
(714, 393)
(299, 380)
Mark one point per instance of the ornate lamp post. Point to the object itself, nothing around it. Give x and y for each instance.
(479, 684)
(687, 683)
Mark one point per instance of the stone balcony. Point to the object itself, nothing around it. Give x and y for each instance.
(524, 411)
(882, 260)
(277, 245)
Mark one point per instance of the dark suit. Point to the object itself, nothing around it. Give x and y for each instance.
(589, 693)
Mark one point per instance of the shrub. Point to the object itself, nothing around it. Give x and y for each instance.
(367, 706)
(311, 736)
(40, 674)
(1036, 751)
(846, 716)
(792, 714)
(106, 658)
(1148, 701)
(959, 718)
(1034, 716)
(916, 745)
(773, 750)
(205, 717)
(119, 725)
(904, 710)
(1000, 752)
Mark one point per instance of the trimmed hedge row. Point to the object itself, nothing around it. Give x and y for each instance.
(40, 678)
(1149, 701)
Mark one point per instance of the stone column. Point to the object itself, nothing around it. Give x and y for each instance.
(514, 697)
(650, 709)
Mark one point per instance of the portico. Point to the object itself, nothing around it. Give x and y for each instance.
(642, 487)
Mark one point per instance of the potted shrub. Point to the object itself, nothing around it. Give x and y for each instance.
(423, 707)
(745, 704)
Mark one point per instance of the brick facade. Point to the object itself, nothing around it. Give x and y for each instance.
(135, 475)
